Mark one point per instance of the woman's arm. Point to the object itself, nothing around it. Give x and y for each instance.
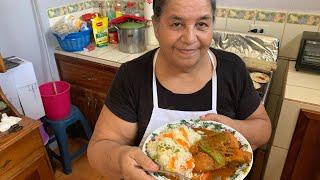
(256, 128)
(110, 152)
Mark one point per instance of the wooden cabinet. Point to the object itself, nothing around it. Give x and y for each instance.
(23, 155)
(303, 156)
(89, 81)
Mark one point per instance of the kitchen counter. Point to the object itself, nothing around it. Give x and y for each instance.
(302, 91)
(302, 86)
(109, 55)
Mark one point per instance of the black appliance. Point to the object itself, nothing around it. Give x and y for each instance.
(309, 53)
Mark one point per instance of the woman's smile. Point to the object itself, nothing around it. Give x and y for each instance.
(186, 52)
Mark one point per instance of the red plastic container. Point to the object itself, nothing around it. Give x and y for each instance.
(56, 105)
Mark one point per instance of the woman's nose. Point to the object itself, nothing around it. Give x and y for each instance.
(189, 35)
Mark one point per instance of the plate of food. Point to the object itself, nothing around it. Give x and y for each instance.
(260, 77)
(199, 150)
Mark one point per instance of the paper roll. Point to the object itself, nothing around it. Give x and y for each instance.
(148, 10)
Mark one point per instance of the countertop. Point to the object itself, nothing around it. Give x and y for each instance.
(302, 86)
(109, 55)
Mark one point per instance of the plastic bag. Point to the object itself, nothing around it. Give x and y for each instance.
(68, 24)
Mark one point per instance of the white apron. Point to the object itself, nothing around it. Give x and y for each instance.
(160, 117)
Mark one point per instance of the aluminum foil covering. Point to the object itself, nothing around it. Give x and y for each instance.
(247, 45)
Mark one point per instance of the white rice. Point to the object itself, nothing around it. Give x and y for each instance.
(174, 143)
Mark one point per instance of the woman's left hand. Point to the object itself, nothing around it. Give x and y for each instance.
(218, 118)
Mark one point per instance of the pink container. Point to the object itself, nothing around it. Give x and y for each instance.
(56, 105)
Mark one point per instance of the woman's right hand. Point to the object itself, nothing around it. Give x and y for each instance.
(133, 164)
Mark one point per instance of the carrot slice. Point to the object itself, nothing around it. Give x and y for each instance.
(168, 135)
(182, 143)
(184, 133)
(171, 162)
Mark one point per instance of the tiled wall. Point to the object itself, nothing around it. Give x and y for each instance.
(287, 26)
(77, 9)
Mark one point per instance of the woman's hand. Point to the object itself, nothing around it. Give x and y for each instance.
(133, 163)
(256, 128)
(218, 118)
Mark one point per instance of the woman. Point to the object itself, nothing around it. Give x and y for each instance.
(183, 79)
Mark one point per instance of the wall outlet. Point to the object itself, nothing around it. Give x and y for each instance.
(259, 28)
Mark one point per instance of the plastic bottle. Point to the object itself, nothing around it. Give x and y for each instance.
(118, 8)
(111, 10)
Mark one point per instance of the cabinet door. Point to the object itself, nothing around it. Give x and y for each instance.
(38, 170)
(81, 98)
(303, 157)
(98, 100)
(88, 101)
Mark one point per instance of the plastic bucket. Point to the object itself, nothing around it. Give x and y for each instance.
(56, 105)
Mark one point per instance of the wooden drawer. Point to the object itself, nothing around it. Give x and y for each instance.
(36, 170)
(16, 153)
(85, 73)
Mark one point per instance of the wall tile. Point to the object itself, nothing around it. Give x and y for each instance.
(306, 19)
(239, 20)
(271, 16)
(220, 23)
(273, 29)
(241, 14)
(238, 25)
(291, 39)
(55, 12)
(276, 161)
(87, 4)
(70, 8)
(222, 12)
(275, 22)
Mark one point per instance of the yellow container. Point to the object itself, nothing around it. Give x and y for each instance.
(100, 30)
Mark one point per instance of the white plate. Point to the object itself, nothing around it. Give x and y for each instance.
(241, 172)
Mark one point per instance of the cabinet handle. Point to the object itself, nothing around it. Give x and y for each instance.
(89, 101)
(88, 77)
(6, 163)
(95, 103)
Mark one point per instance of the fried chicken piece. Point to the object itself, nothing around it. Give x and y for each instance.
(239, 157)
(224, 139)
(231, 142)
(204, 163)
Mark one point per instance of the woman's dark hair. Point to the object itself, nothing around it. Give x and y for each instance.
(159, 5)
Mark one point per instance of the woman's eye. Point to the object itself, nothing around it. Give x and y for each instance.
(202, 25)
(176, 24)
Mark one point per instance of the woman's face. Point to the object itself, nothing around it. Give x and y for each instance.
(184, 31)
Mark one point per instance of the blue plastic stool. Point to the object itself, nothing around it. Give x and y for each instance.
(59, 128)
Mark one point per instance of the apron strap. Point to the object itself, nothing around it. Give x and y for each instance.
(154, 81)
(214, 83)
